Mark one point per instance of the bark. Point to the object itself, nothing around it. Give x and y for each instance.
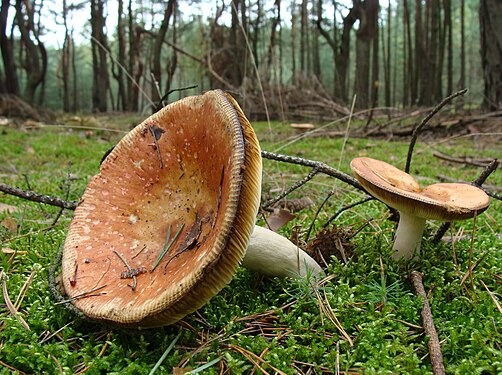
(135, 64)
(316, 60)
(367, 14)
(11, 83)
(157, 51)
(99, 57)
(66, 60)
(490, 13)
(303, 37)
(293, 40)
(119, 74)
(173, 61)
(411, 83)
(420, 52)
(272, 46)
(387, 57)
(35, 59)
(461, 81)
(341, 52)
(449, 46)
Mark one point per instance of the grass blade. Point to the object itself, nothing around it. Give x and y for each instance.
(168, 350)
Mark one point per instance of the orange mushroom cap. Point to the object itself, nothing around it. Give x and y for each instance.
(186, 183)
(443, 201)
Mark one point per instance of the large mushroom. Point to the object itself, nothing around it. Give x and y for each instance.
(165, 223)
(444, 201)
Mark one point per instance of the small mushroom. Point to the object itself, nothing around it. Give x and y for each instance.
(444, 201)
(167, 220)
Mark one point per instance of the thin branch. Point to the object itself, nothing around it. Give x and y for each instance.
(320, 166)
(424, 122)
(428, 323)
(68, 186)
(292, 188)
(39, 198)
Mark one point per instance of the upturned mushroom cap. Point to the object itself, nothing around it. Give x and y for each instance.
(191, 175)
(445, 201)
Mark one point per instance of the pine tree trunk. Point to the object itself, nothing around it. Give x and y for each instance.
(490, 14)
(11, 82)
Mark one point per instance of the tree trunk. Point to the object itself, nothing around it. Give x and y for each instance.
(316, 59)
(35, 63)
(66, 60)
(387, 55)
(490, 14)
(11, 83)
(119, 75)
(157, 52)
(303, 37)
(367, 13)
(99, 59)
(449, 46)
(293, 41)
(461, 81)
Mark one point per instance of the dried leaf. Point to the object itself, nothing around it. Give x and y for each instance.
(181, 371)
(10, 224)
(7, 207)
(279, 218)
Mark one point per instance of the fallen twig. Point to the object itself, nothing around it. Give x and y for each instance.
(292, 188)
(319, 165)
(462, 160)
(424, 122)
(68, 186)
(39, 198)
(428, 323)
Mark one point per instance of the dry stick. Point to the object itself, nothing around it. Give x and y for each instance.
(68, 186)
(319, 165)
(39, 198)
(345, 208)
(330, 194)
(489, 169)
(292, 188)
(424, 122)
(428, 323)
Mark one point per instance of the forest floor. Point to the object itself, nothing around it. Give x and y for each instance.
(365, 318)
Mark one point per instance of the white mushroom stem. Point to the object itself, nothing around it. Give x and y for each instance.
(274, 255)
(408, 236)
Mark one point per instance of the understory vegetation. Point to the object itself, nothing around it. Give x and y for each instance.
(364, 318)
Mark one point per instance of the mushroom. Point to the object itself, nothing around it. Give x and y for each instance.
(166, 222)
(443, 201)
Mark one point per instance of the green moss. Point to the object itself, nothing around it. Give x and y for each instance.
(279, 320)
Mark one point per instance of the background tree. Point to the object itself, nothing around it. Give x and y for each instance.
(490, 13)
(34, 58)
(9, 83)
(99, 57)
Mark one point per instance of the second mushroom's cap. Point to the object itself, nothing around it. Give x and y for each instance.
(164, 225)
(447, 202)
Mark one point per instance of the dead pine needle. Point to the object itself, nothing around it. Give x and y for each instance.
(435, 353)
(492, 296)
(10, 305)
(419, 127)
